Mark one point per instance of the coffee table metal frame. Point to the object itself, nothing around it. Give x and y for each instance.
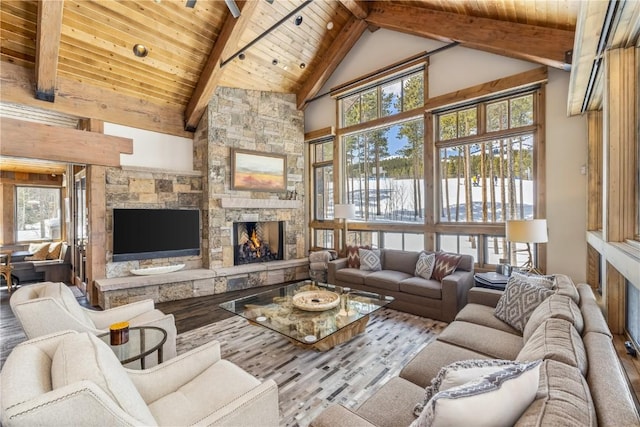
(320, 330)
(143, 340)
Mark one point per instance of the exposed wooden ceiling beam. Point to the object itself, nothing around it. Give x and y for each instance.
(227, 41)
(47, 47)
(326, 62)
(86, 101)
(542, 45)
(358, 8)
(37, 141)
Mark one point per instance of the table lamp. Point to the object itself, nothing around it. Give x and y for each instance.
(527, 231)
(345, 212)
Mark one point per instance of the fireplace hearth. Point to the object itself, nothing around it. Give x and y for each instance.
(258, 242)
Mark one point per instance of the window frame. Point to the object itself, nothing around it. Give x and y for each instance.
(16, 214)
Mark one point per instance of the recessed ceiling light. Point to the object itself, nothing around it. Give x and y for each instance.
(274, 62)
(298, 20)
(140, 50)
(303, 65)
(329, 25)
(241, 56)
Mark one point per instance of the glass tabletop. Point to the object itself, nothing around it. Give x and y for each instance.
(278, 310)
(143, 340)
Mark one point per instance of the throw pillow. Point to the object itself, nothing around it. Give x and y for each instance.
(370, 259)
(496, 399)
(38, 253)
(425, 264)
(459, 373)
(519, 299)
(54, 250)
(546, 281)
(353, 257)
(445, 264)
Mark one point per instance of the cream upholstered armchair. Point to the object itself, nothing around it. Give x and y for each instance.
(71, 378)
(47, 307)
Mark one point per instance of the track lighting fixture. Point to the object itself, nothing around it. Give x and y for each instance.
(233, 8)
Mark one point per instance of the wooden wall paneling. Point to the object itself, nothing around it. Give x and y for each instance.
(615, 299)
(594, 170)
(48, 47)
(38, 141)
(97, 247)
(593, 267)
(7, 202)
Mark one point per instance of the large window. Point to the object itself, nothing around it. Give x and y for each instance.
(383, 161)
(37, 213)
(322, 179)
(485, 156)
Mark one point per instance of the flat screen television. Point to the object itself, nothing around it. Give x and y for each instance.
(155, 233)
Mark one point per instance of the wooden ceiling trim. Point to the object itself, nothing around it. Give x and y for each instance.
(33, 140)
(358, 8)
(328, 61)
(211, 73)
(86, 100)
(542, 45)
(48, 48)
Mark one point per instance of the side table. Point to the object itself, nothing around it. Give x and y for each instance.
(143, 340)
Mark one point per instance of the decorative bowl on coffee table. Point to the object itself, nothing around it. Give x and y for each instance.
(319, 300)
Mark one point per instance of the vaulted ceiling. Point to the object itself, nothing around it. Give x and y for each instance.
(76, 56)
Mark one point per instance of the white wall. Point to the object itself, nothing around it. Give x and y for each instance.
(154, 150)
(458, 68)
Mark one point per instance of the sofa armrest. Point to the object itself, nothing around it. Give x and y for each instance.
(257, 407)
(167, 377)
(484, 296)
(337, 415)
(454, 293)
(334, 266)
(103, 319)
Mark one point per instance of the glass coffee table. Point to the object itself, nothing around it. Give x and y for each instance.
(310, 314)
(143, 340)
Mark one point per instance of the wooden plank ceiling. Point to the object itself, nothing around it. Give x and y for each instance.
(66, 53)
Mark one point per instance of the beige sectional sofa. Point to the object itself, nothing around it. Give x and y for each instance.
(581, 381)
(439, 300)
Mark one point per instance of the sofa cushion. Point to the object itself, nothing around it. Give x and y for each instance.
(38, 252)
(520, 298)
(563, 398)
(557, 307)
(497, 399)
(392, 405)
(370, 259)
(458, 373)
(425, 264)
(352, 275)
(422, 287)
(556, 339)
(100, 366)
(490, 342)
(219, 385)
(564, 286)
(405, 261)
(481, 314)
(445, 264)
(386, 279)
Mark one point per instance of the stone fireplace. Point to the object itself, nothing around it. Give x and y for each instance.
(258, 242)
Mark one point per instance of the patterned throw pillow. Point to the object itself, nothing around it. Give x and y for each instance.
(370, 259)
(446, 264)
(353, 257)
(546, 281)
(459, 373)
(520, 298)
(54, 250)
(425, 264)
(496, 399)
(38, 253)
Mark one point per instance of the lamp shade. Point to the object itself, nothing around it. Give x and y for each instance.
(345, 211)
(527, 231)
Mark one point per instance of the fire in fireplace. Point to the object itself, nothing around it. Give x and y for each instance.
(258, 241)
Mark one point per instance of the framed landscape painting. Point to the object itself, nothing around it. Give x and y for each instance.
(252, 170)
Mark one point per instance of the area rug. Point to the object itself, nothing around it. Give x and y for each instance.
(308, 380)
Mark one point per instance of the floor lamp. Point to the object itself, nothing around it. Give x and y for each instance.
(345, 212)
(528, 231)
